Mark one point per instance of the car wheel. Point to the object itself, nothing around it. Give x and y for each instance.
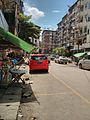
(80, 66)
(30, 71)
(46, 71)
(65, 62)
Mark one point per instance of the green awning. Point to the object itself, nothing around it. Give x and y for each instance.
(17, 41)
(79, 54)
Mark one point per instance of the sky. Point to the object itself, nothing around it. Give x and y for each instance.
(47, 13)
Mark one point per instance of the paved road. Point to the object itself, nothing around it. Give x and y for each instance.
(63, 94)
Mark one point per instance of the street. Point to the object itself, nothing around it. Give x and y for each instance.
(62, 94)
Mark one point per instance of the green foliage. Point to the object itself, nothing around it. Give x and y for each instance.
(23, 18)
(28, 28)
(61, 51)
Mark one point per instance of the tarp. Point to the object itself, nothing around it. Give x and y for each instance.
(17, 41)
(79, 54)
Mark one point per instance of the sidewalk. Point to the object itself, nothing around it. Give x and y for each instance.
(10, 100)
(2, 91)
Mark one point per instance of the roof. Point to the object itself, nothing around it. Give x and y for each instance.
(79, 54)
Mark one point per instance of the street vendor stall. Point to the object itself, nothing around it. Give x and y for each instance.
(5, 63)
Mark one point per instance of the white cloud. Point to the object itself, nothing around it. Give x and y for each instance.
(35, 12)
(56, 11)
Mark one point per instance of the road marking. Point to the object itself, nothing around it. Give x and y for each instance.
(74, 91)
(51, 94)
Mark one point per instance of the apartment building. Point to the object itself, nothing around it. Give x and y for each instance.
(11, 10)
(74, 28)
(49, 40)
(62, 31)
(84, 24)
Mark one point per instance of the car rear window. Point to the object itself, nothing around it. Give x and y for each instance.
(38, 57)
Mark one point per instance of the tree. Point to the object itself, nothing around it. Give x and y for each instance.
(60, 51)
(28, 28)
(79, 42)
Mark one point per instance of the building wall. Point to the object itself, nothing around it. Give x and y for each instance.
(12, 8)
(75, 26)
(49, 39)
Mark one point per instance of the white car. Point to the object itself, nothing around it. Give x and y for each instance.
(85, 62)
(62, 60)
(69, 60)
(56, 59)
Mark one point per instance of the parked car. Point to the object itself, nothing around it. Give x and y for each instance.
(38, 62)
(62, 60)
(69, 60)
(78, 56)
(56, 59)
(85, 62)
(52, 57)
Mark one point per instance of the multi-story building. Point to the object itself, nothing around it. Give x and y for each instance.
(67, 27)
(62, 31)
(74, 28)
(84, 24)
(11, 10)
(49, 40)
(73, 31)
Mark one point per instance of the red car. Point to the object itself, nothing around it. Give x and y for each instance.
(38, 62)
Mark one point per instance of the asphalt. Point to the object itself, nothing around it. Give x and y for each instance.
(10, 97)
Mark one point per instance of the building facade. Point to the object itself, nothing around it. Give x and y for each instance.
(74, 28)
(49, 40)
(11, 10)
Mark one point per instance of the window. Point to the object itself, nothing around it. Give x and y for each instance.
(85, 29)
(88, 5)
(35, 41)
(88, 31)
(88, 18)
(84, 40)
(81, 19)
(38, 57)
(81, 31)
(81, 8)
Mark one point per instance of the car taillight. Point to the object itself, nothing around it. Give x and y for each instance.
(47, 61)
